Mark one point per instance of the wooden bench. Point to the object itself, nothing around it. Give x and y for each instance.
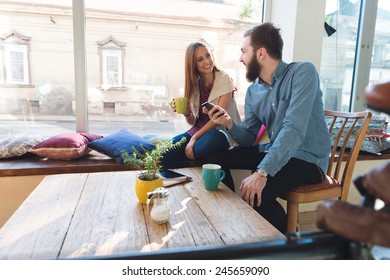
(93, 162)
(35, 165)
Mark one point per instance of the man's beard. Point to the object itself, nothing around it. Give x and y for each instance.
(253, 69)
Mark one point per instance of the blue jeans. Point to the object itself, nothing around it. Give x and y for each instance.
(212, 142)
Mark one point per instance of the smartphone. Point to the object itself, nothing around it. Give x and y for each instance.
(209, 106)
(172, 178)
(169, 174)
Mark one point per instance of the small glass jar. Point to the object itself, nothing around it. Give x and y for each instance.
(160, 212)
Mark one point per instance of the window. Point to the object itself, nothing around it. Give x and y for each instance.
(111, 52)
(380, 64)
(338, 53)
(16, 64)
(16, 58)
(112, 74)
(134, 61)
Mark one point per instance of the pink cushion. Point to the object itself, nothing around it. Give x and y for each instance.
(260, 135)
(328, 183)
(65, 146)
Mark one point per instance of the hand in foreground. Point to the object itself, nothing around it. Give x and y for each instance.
(377, 182)
(252, 186)
(353, 222)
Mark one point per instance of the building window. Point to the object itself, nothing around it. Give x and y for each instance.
(111, 57)
(112, 68)
(16, 59)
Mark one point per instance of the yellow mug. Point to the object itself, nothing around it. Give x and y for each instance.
(181, 104)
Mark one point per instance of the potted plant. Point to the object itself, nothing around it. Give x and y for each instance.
(148, 162)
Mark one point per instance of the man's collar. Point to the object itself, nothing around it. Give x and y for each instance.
(278, 72)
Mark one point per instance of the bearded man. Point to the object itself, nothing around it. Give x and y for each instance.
(287, 99)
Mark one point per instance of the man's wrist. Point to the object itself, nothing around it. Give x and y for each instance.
(262, 172)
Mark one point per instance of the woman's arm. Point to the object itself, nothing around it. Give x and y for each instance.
(224, 102)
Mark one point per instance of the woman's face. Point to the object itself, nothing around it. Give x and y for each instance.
(204, 61)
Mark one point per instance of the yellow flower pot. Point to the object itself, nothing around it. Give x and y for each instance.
(143, 187)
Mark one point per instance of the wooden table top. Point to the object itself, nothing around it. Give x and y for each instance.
(98, 214)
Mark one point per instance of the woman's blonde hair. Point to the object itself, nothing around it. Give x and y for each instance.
(190, 71)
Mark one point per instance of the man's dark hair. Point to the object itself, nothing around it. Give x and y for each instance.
(267, 36)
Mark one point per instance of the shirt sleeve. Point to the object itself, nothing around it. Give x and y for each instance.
(298, 109)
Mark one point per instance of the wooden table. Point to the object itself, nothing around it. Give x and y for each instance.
(94, 214)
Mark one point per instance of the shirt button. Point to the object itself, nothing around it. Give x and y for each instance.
(273, 133)
(273, 104)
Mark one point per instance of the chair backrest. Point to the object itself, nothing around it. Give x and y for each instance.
(347, 131)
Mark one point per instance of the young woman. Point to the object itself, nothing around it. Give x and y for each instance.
(204, 81)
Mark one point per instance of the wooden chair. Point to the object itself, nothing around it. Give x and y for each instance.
(347, 131)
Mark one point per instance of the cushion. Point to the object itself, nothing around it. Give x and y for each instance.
(65, 146)
(122, 141)
(327, 183)
(374, 143)
(17, 146)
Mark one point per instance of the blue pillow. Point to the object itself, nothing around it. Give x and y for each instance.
(114, 144)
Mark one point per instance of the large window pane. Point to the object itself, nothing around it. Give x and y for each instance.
(135, 61)
(380, 63)
(150, 41)
(338, 52)
(36, 67)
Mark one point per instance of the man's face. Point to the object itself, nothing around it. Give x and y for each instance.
(248, 58)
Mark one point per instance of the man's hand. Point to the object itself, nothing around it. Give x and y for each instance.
(253, 186)
(219, 116)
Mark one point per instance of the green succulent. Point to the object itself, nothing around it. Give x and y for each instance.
(148, 161)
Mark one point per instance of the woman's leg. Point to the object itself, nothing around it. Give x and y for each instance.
(212, 142)
(174, 158)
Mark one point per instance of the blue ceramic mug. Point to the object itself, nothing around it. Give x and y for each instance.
(212, 174)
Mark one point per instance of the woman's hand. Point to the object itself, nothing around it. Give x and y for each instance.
(172, 104)
(190, 148)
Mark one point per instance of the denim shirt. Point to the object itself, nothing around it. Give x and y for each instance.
(291, 108)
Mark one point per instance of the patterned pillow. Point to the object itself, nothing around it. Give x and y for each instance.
(16, 146)
(113, 145)
(65, 146)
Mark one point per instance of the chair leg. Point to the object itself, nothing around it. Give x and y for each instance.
(292, 216)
